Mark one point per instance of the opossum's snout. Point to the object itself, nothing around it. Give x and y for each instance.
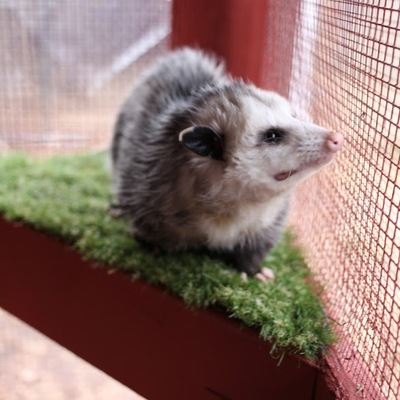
(314, 152)
(334, 141)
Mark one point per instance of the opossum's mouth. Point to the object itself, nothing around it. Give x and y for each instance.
(313, 165)
(285, 175)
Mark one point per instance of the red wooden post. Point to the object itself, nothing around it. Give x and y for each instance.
(255, 37)
(232, 29)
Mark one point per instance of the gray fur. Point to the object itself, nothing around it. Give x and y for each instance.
(234, 205)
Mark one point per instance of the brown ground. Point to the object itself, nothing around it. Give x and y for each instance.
(32, 367)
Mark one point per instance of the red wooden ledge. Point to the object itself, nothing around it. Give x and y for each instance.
(138, 334)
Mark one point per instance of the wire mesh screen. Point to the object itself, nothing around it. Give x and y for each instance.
(65, 67)
(345, 74)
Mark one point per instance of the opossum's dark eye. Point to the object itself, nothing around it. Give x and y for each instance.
(273, 135)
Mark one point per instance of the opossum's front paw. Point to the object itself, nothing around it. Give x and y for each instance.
(265, 275)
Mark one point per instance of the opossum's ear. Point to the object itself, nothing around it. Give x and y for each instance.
(203, 141)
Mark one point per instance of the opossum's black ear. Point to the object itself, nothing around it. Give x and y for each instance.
(203, 141)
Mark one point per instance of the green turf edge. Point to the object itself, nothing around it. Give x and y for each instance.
(67, 196)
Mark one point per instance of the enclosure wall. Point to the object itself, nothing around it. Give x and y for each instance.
(345, 75)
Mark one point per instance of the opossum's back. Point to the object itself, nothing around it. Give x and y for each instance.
(174, 78)
(181, 73)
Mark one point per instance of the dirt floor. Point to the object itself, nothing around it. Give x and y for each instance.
(32, 367)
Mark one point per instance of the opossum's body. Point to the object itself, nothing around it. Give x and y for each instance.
(204, 161)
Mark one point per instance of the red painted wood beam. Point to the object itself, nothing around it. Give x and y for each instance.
(138, 334)
(255, 37)
(232, 29)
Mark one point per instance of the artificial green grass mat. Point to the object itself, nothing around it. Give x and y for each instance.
(68, 196)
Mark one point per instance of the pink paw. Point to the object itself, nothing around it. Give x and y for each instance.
(265, 275)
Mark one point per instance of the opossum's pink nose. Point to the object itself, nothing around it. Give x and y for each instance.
(334, 141)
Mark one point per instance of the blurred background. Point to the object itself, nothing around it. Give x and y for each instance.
(66, 67)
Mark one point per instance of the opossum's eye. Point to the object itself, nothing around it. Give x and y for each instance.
(203, 141)
(273, 135)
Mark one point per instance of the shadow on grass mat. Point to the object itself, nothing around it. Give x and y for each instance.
(68, 196)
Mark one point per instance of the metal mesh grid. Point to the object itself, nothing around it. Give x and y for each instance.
(345, 73)
(67, 65)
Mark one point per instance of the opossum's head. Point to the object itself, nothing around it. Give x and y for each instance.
(254, 136)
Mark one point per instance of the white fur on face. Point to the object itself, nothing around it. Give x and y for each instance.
(301, 153)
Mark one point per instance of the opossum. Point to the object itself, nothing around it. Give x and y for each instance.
(205, 161)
